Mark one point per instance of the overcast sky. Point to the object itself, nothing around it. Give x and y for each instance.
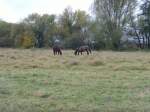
(16, 10)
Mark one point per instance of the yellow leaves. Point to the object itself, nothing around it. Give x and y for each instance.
(27, 41)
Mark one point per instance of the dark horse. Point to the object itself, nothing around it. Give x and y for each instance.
(57, 50)
(83, 49)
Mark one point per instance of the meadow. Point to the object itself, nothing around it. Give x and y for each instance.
(33, 80)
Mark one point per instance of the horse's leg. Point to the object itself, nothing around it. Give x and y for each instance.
(79, 52)
(53, 51)
(87, 52)
(75, 53)
(90, 51)
(60, 52)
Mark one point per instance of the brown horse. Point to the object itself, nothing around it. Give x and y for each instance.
(83, 49)
(57, 50)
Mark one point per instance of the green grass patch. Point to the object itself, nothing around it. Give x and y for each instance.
(37, 81)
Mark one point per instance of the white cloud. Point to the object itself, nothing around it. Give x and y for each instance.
(14, 10)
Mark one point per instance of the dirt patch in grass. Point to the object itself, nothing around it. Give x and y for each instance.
(96, 63)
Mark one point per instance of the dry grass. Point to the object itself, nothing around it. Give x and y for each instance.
(44, 59)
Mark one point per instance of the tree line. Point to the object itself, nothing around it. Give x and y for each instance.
(103, 30)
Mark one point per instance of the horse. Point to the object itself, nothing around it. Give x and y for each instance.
(57, 50)
(83, 49)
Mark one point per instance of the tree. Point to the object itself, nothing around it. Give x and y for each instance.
(74, 27)
(23, 35)
(50, 28)
(144, 22)
(81, 24)
(5, 31)
(112, 16)
(34, 21)
(66, 21)
(42, 26)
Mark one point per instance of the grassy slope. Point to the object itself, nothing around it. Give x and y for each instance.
(36, 81)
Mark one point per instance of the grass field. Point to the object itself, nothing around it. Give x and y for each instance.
(36, 81)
